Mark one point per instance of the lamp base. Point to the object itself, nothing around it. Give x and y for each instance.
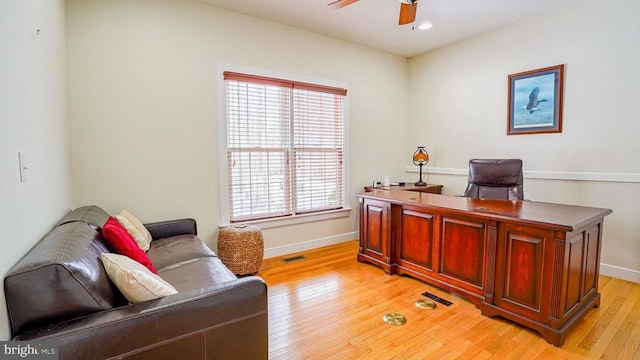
(420, 183)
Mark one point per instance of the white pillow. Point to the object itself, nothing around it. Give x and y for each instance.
(134, 232)
(135, 228)
(134, 280)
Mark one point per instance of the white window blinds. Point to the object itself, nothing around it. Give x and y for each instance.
(285, 147)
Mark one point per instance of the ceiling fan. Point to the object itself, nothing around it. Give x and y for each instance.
(408, 9)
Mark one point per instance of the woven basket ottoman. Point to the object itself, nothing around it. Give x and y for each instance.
(241, 248)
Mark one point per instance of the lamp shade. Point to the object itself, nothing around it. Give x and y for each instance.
(421, 156)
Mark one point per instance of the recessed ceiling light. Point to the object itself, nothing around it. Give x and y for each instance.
(425, 25)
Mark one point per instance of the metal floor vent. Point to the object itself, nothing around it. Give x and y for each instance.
(293, 258)
(435, 298)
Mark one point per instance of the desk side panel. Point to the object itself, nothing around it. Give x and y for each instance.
(463, 245)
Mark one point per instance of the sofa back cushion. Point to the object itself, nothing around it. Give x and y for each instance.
(60, 278)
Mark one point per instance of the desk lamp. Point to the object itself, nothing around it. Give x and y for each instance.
(420, 158)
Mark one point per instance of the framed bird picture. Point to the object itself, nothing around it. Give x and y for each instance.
(535, 101)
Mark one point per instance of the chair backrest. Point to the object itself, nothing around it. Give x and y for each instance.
(495, 179)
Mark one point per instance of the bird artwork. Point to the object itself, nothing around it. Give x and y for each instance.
(532, 105)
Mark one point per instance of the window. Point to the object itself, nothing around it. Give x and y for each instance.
(285, 147)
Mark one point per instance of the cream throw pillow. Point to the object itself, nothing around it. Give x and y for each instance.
(134, 280)
(141, 241)
(134, 227)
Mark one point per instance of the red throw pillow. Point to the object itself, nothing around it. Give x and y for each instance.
(120, 241)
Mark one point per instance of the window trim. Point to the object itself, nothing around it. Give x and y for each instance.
(258, 79)
(301, 82)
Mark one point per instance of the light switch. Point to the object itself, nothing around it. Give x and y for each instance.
(22, 162)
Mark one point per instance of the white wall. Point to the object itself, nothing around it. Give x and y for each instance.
(33, 115)
(144, 106)
(458, 109)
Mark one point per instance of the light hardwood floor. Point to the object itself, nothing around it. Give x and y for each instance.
(329, 306)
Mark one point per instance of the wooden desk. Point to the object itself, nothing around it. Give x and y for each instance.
(534, 263)
(430, 188)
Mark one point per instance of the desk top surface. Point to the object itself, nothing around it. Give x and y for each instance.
(557, 216)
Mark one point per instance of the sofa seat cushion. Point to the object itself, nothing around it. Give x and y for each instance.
(187, 263)
(198, 273)
(175, 250)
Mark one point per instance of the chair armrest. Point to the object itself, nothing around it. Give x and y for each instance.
(228, 320)
(164, 229)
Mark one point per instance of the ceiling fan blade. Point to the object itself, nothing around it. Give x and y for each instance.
(407, 13)
(340, 4)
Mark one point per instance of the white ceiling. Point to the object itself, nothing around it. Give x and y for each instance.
(374, 23)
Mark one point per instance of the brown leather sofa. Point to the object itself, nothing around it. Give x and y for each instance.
(60, 292)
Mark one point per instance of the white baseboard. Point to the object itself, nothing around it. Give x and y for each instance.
(309, 245)
(620, 273)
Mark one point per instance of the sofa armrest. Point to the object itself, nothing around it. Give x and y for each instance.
(164, 229)
(227, 320)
